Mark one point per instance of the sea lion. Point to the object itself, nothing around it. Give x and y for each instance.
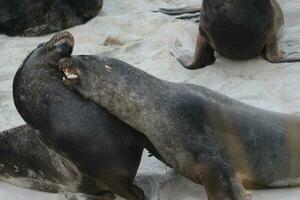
(237, 29)
(209, 138)
(40, 17)
(104, 148)
(26, 161)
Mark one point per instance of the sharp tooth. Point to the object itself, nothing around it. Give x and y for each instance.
(71, 75)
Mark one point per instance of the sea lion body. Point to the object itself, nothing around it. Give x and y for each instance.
(40, 17)
(104, 148)
(237, 29)
(26, 161)
(209, 138)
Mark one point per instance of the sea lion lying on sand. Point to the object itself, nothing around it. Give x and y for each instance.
(209, 138)
(39, 17)
(26, 161)
(106, 150)
(237, 29)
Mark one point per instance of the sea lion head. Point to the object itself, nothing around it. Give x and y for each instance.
(49, 53)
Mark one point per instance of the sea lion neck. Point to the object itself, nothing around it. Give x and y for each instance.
(125, 90)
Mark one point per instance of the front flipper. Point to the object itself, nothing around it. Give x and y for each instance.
(220, 184)
(274, 55)
(203, 56)
(180, 11)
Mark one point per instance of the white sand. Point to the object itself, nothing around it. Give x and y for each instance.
(148, 37)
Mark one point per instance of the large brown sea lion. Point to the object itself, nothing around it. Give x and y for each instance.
(237, 29)
(209, 138)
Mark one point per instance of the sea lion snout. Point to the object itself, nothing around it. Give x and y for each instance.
(63, 42)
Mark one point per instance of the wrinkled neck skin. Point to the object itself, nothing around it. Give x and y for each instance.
(129, 93)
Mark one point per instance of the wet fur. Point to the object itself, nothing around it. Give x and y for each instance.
(208, 137)
(39, 17)
(106, 151)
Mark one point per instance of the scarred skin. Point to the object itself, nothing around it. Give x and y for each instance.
(105, 150)
(237, 29)
(40, 17)
(209, 138)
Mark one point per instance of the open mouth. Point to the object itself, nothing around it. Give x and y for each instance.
(70, 73)
(66, 41)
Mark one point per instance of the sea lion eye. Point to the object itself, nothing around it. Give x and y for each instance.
(40, 45)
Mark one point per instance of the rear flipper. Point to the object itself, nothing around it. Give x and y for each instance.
(274, 55)
(220, 184)
(180, 11)
(203, 56)
(282, 58)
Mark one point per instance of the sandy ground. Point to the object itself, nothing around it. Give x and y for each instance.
(144, 39)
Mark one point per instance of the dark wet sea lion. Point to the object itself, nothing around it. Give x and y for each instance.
(237, 29)
(39, 17)
(26, 161)
(211, 139)
(104, 148)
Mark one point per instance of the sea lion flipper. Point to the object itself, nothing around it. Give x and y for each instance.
(274, 55)
(203, 56)
(289, 60)
(220, 183)
(179, 11)
(194, 17)
(271, 52)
